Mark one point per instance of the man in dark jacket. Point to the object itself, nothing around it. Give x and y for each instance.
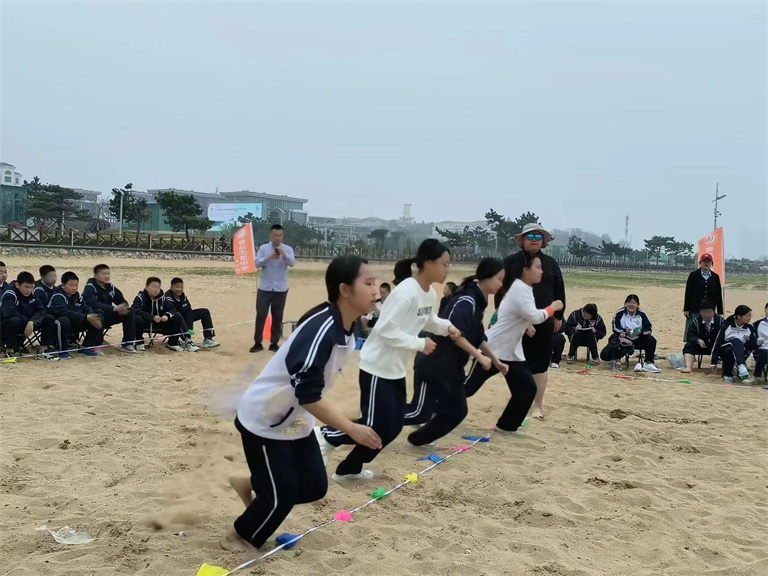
(703, 284)
(702, 333)
(23, 314)
(585, 327)
(155, 315)
(537, 348)
(100, 295)
(67, 303)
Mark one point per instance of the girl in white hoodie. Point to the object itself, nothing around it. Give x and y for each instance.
(517, 314)
(386, 356)
(277, 413)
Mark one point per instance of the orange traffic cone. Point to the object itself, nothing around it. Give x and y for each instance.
(267, 328)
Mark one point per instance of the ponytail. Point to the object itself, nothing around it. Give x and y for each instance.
(429, 250)
(403, 270)
(487, 268)
(341, 270)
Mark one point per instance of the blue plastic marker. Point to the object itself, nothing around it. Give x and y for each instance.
(476, 438)
(285, 537)
(432, 458)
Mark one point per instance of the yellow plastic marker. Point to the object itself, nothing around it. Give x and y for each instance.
(208, 570)
(11, 360)
(412, 478)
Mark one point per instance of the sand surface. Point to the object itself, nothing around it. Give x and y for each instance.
(621, 478)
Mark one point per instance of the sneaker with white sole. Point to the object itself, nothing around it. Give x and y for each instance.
(210, 343)
(191, 346)
(128, 348)
(48, 356)
(650, 367)
(555, 366)
(174, 348)
(362, 476)
(638, 367)
(728, 380)
(325, 447)
(140, 347)
(743, 372)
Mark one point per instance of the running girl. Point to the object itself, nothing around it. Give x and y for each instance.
(384, 357)
(277, 413)
(441, 402)
(517, 315)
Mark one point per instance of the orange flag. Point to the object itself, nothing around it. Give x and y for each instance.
(713, 244)
(242, 246)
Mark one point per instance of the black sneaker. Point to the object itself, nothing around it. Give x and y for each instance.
(257, 348)
(274, 347)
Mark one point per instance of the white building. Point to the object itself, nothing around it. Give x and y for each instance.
(9, 175)
(455, 226)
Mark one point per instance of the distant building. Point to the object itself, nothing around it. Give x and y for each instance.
(9, 175)
(89, 202)
(456, 226)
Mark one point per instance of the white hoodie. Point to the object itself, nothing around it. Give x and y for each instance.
(407, 311)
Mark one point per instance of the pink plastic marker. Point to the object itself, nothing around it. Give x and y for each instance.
(343, 516)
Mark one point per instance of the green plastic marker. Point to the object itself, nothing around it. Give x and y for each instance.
(378, 494)
(190, 332)
(686, 381)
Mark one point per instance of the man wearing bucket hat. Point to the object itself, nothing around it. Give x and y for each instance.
(703, 285)
(537, 348)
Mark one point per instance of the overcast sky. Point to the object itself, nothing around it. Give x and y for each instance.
(582, 113)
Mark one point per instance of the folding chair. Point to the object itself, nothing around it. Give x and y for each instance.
(640, 359)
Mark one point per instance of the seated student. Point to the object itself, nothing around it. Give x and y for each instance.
(100, 295)
(23, 313)
(369, 321)
(619, 346)
(47, 283)
(761, 354)
(703, 329)
(734, 342)
(3, 278)
(178, 301)
(558, 345)
(586, 328)
(155, 315)
(67, 303)
(634, 325)
(448, 290)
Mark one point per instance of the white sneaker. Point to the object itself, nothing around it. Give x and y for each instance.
(651, 368)
(140, 347)
(743, 372)
(364, 475)
(555, 366)
(638, 367)
(191, 346)
(128, 348)
(174, 348)
(325, 447)
(210, 343)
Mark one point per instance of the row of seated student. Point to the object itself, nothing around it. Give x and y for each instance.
(56, 316)
(727, 341)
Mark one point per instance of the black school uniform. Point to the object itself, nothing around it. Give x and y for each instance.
(72, 311)
(146, 308)
(103, 298)
(700, 330)
(18, 310)
(183, 308)
(439, 400)
(585, 338)
(43, 292)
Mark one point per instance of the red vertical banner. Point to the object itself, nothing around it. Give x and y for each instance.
(242, 246)
(713, 244)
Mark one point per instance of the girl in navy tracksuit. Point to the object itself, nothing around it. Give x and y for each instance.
(736, 339)
(761, 354)
(277, 413)
(440, 401)
(633, 324)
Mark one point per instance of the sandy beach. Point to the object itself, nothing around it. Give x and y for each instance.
(635, 478)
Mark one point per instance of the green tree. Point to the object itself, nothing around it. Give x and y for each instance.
(135, 209)
(580, 249)
(656, 244)
(182, 212)
(300, 235)
(380, 236)
(51, 204)
(622, 252)
(506, 229)
(677, 249)
(610, 249)
(455, 239)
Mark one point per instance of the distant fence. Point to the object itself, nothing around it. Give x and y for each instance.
(131, 241)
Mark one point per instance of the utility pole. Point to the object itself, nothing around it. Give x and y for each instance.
(716, 200)
(120, 229)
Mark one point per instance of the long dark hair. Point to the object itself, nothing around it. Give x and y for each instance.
(341, 270)
(429, 250)
(487, 268)
(741, 310)
(528, 260)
